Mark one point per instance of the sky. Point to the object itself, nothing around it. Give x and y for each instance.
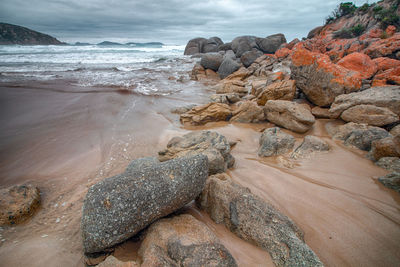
(169, 21)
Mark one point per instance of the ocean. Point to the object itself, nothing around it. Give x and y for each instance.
(133, 68)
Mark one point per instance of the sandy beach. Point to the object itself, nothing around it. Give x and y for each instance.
(64, 140)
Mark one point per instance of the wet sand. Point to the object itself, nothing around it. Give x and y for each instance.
(65, 140)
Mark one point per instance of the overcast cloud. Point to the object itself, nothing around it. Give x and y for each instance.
(170, 21)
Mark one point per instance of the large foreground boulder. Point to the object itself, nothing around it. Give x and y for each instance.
(118, 207)
(183, 241)
(290, 115)
(271, 44)
(18, 203)
(256, 221)
(386, 97)
(206, 113)
(275, 142)
(212, 144)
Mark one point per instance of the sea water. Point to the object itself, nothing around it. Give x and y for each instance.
(139, 69)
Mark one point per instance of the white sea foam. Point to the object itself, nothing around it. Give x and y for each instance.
(138, 68)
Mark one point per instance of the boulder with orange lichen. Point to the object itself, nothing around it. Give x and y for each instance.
(360, 63)
(320, 79)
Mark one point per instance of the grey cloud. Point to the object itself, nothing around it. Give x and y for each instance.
(171, 21)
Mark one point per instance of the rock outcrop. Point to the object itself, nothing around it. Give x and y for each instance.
(118, 207)
(369, 114)
(391, 181)
(248, 111)
(274, 142)
(13, 34)
(211, 144)
(227, 67)
(385, 147)
(256, 221)
(206, 113)
(385, 97)
(389, 163)
(18, 203)
(183, 241)
(290, 115)
(111, 261)
(282, 90)
(360, 135)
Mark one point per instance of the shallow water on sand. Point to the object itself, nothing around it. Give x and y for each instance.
(63, 138)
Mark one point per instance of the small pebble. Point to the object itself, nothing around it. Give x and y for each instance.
(45, 235)
(57, 220)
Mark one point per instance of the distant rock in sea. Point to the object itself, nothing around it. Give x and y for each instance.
(158, 44)
(13, 34)
(81, 44)
(105, 43)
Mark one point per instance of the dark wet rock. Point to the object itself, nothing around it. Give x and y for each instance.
(274, 141)
(310, 145)
(242, 44)
(256, 221)
(250, 56)
(118, 207)
(248, 111)
(183, 241)
(211, 61)
(389, 163)
(290, 115)
(203, 114)
(270, 44)
(18, 203)
(195, 46)
(212, 45)
(227, 67)
(391, 181)
(359, 135)
(209, 143)
(225, 47)
(13, 34)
